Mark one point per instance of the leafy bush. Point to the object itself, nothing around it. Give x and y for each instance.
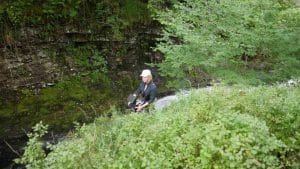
(34, 155)
(221, 127)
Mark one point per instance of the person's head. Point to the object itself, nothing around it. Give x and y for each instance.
(146, 76)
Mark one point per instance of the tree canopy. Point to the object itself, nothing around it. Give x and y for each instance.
(229, 39)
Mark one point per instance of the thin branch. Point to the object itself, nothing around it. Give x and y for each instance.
(11, 148)
(24, 130)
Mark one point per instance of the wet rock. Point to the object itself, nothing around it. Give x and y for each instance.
(165, 102)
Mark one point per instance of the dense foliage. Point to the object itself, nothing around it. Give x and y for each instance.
(220, 127)
(52, 16)
(245, 41)
(229, 39)
(52, 12)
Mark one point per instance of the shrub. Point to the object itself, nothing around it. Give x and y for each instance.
(226, 127)
(34, 155)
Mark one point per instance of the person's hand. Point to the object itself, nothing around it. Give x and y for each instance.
(139, 108)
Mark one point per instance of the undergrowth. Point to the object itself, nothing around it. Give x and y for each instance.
(219, 127)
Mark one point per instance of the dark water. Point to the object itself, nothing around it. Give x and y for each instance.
(13, 148)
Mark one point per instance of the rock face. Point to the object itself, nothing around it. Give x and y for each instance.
(28, 60)
(33, 59)
(35, 62)
(24, 62)
(29, 68)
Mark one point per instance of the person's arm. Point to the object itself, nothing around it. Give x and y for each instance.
(138, 90)
(140, 107)
(152, 98)
(136, 93)
(152, 95)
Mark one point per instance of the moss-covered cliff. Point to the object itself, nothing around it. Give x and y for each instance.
(67, 60)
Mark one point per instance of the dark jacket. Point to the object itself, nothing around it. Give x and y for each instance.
(149, 94)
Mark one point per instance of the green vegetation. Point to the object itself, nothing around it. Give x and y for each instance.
(87, 57)
(249, 41)
(225, 127)
(73, 99)
(34, 152)
(79, 97)
(245, 42)
(52, 16)
(69, 99)
(90, 89)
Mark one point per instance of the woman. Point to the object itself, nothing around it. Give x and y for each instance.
(147, 89)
